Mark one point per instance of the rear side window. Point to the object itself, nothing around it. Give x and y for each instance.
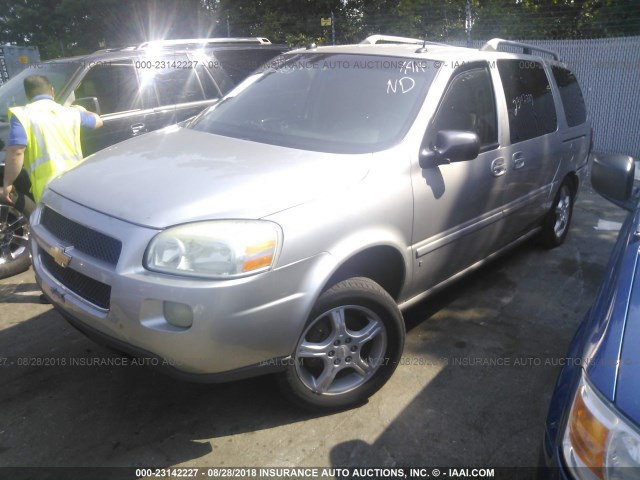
(527, 91)
(571, 95)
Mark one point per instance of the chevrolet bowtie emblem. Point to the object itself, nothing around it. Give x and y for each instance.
(60, 255)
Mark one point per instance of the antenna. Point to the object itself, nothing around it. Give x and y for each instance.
(423, 48)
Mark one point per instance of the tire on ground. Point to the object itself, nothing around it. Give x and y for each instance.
(14, 235)
(350, 346)
(556, 224)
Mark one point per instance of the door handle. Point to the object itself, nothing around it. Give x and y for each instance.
(138, 129)
(518, 160)
(498, 167)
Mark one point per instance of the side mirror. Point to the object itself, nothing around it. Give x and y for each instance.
(612, 176)
(90, 103)
(450, 146)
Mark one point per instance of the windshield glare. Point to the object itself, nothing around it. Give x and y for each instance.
(12, 92)
(324, 102)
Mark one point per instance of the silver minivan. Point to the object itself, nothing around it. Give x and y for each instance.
(285, 229)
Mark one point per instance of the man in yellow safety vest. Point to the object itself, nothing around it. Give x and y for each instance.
(44, 138)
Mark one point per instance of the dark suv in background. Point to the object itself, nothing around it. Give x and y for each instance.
(135, 90)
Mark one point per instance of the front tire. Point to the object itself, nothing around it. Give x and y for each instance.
(555, 226)
(349, 348)
(14, 236)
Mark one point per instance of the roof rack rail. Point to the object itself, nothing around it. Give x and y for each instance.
(204, 42)
(114, 49)
(494, 44)
(392, 39)
(374, 39)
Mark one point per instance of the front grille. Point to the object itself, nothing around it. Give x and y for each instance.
(91, 290)
(83, 239)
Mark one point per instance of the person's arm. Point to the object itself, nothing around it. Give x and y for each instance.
(89, 119)
(99, 121)
(14, 160)
(12, 166)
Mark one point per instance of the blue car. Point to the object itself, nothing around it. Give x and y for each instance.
(593, 425)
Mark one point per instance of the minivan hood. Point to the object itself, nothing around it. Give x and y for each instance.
(177, 175)
(627, 396)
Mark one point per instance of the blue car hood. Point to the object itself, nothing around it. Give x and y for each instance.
(627, 396)
(177, 175)
(612, 356)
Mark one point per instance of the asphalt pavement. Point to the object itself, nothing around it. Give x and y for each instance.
(472, 389)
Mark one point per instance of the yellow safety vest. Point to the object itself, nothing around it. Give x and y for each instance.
(53, 141)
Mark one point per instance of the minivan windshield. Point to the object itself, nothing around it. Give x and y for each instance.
(12, 92)
(338, 103)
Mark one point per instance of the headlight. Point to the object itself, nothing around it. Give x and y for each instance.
(598, 442)
(217, 249)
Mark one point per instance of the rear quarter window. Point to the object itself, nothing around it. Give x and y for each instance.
(571, 95)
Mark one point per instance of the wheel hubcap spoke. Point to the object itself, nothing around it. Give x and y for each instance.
(372, 330)
(20, 223)
(343, 358)
(312, 350)
(338, 322)
(363, 368)
(325, 379)
(563, 209)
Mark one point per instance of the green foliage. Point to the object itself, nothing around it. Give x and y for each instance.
(70, 27)
(556, 19)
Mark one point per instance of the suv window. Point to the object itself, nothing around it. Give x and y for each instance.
(238, 64)
(571, 95)
(469, 105)
(210, 88)
(527, 91)
(114, 84)
(173, 78)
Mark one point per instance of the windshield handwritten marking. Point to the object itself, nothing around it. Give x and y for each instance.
(402, 85)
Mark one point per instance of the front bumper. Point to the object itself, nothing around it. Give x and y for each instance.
(242, 324)
(159, 363)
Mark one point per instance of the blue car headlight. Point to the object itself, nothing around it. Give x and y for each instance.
(599, 443)
(217, 249)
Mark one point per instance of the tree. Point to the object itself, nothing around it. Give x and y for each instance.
(283, 21)
(555, 19)
(435, 20)
(70, 27)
